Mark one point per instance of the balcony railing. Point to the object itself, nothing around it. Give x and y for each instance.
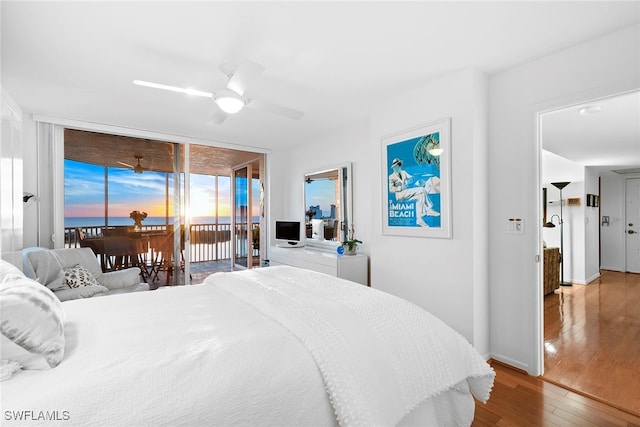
(208, 242)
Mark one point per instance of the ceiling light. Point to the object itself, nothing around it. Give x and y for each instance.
(229, 102)
(436, 151)
(591, 109)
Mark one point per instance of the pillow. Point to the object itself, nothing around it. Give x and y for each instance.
(8, 268)
(78, 276)
(8, 368)
(31, 323)
(44, 266)
(81, 292)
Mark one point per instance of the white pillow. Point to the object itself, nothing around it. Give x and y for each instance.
(8, 368)
(31, 323)
(77, 276)
(8, 268)
(44, 266)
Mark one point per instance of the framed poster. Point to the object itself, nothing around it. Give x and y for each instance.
(416, 181)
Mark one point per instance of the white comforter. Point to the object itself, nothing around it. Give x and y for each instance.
(266, 347)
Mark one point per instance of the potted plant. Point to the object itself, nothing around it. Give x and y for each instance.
(137, 218)
(350, 243)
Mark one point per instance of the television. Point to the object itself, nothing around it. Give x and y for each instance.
(288, 234)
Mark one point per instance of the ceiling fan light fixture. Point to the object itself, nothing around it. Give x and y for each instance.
(229, 102)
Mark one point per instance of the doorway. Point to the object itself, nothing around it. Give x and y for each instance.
(632, 221)
(571, 135)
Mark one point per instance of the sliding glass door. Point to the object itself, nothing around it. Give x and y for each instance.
(164, 207)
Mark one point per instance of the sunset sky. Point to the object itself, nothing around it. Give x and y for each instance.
(128, 191)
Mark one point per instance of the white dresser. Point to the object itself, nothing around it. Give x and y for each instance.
(350, 267)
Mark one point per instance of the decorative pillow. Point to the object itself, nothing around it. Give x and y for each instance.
(79, 276)
(31, 323)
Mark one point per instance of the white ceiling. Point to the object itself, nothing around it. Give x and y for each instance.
(607, 140)
(333, 61)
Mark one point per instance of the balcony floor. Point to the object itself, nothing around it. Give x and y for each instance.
(199, 272)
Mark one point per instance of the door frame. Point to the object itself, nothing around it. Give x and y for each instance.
(249, 166)
(625, 227)
(537, 111)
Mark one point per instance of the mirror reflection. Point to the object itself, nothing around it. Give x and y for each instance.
(326, 203)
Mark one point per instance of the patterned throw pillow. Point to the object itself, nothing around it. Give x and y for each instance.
(79, 276)
(32, 326)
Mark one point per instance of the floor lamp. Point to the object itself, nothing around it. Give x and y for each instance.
(550, 224)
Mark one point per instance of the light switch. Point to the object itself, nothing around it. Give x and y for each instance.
(515, 226)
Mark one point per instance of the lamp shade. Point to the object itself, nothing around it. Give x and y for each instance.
(560, 185)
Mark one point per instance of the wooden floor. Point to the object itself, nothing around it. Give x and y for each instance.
(592, 338)
(518, 399)
(592, 362)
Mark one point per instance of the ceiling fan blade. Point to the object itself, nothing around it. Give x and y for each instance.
(279, 110)
(218, 116)
(125, 164)
(173, 88)
(246, 72)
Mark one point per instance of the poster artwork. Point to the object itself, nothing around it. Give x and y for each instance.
(413, 195)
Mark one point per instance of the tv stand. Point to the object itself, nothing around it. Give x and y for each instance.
(350, 267)
(290, 245)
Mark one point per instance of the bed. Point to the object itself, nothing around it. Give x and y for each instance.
(276, 346)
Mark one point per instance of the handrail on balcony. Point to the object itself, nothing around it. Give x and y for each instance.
(208, 242)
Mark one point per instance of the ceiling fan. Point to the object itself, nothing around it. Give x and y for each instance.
(138, 168)
(231, 99)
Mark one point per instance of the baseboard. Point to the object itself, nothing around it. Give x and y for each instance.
(503, 360)
(497, 362)
(585, 282)
(594, 277)
(604, 267)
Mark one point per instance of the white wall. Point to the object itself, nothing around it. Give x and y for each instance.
(555, 168)
(446, 276)
(591, 227)
(581, 239)
(31, 185)
(11, 171)
(287, 169)
(599, 68)
(39, 180)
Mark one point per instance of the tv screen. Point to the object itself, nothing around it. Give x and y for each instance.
(289, 231)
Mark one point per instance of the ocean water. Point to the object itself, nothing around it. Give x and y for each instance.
(90, 221)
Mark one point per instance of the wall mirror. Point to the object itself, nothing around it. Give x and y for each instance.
(327, 205)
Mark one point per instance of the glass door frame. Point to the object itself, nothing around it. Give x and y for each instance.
(50, 137)
(250, 170)
(234, 215)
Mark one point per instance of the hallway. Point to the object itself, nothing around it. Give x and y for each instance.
(592, 338)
